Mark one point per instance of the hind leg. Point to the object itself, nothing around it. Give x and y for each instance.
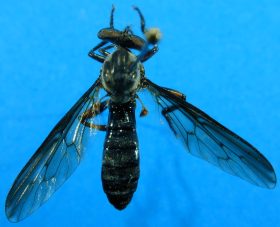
(97, 109)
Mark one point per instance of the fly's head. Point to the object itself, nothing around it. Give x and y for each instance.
(121, 74)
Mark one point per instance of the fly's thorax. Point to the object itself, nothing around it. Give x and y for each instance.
(120, 75)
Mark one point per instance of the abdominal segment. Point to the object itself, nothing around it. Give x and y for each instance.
(120, 166)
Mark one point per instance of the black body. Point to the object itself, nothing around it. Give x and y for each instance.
(121, 77)
(120, 165)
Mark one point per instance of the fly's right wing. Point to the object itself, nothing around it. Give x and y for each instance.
(207, 139)
(53, 163)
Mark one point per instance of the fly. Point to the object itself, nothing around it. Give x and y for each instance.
(122, 76)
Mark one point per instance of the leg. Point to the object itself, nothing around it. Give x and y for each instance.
(95, 56)
(97, 109)
(104, 49)
(149, 53)
(144, 110)
(112, 17)
(152, 35)
(143, 28)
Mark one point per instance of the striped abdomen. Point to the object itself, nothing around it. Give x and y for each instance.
(120, 166)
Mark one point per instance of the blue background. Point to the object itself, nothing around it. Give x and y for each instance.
(224, 55)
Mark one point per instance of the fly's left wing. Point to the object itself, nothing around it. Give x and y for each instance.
(207, 139)
(52, 164)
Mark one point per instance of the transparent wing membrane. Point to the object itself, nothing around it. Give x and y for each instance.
(207, 139)
(53, 163)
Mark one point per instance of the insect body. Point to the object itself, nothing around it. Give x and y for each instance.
(122, 76)
(120, 170)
